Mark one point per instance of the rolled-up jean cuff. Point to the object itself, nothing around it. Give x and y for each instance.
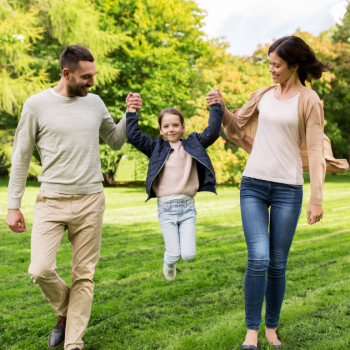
(168, 266)
(271, 326)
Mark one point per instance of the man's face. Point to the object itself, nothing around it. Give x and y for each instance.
(81, 79)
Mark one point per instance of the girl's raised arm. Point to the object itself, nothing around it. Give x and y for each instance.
(139, 140)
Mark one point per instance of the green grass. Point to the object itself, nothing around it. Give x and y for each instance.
(136, 308)
(126, 172)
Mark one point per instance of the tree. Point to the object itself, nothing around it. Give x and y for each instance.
(165, 41)
(156, 48)
(237, 78)
(334, 90)
(110, 161)
(19, 31)
(341, 32)
(32, 35)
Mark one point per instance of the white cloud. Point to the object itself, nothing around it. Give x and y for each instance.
(338, 11)
(247, 23)
(217, 15)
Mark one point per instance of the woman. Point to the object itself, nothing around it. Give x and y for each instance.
(275, 126)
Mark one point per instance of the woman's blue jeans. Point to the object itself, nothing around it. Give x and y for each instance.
(268, 239)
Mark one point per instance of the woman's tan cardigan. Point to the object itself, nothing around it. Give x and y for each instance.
(317, 158)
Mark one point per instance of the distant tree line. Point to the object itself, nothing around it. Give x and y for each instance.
(157, 48)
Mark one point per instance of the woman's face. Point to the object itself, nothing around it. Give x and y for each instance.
(279, 69)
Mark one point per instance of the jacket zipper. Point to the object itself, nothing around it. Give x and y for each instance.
(158, 173)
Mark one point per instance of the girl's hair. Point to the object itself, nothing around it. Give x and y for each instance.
(170, 110)
(295, 51)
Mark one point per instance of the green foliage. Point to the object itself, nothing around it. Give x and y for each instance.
(144, 46)
(32, 35)
(6, 142)
(19, 31)
(140, 161)
(341, 32)
(156, 48)
(78, 22)
(111, 159)
(334, 90)
(165, 41)
(228, 165)
(135, 308)
(237, 78)
(109, 163)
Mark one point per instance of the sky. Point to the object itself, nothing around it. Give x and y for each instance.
(247, 23)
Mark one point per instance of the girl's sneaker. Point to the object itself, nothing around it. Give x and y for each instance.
(169, 274)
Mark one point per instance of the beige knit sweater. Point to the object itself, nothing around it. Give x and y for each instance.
(179, 174)
(66, 132)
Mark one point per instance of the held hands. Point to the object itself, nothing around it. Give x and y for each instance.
(15, 221)
(214, 97)
(314, 213)
(134, 102)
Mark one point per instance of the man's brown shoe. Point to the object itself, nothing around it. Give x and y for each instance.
(58, 333)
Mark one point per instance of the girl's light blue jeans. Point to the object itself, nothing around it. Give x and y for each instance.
(268, 239)
(177, 221)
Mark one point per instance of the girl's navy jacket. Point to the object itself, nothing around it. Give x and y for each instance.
(158, 150)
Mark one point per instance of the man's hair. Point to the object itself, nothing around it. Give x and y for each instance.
(71, 56)
(170, 110)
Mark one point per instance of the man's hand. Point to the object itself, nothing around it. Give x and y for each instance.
(214, 97)
(15, 220)
(314, 213)
(134, 102)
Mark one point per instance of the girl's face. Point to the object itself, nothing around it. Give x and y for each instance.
(171, 127)
(279, 69)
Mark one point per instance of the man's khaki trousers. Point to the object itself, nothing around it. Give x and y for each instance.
(82, 216)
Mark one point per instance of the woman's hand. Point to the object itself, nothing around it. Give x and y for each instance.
(134, 102)
(214, 97)
(314, 213)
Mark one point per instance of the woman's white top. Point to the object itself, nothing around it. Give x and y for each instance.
(276, 150)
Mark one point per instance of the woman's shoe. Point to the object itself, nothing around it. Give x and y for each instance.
(250, 347)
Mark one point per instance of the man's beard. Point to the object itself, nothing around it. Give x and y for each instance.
(76, 90)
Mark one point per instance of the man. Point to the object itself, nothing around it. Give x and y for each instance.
(65, 123)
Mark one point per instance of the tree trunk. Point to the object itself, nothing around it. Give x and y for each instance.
(109, 176)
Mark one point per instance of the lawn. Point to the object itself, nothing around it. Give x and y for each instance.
(136, 308)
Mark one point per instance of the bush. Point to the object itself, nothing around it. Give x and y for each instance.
(6, 144)
(228, 165)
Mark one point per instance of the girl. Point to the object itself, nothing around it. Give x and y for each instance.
(275, 126)
(177, 170)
